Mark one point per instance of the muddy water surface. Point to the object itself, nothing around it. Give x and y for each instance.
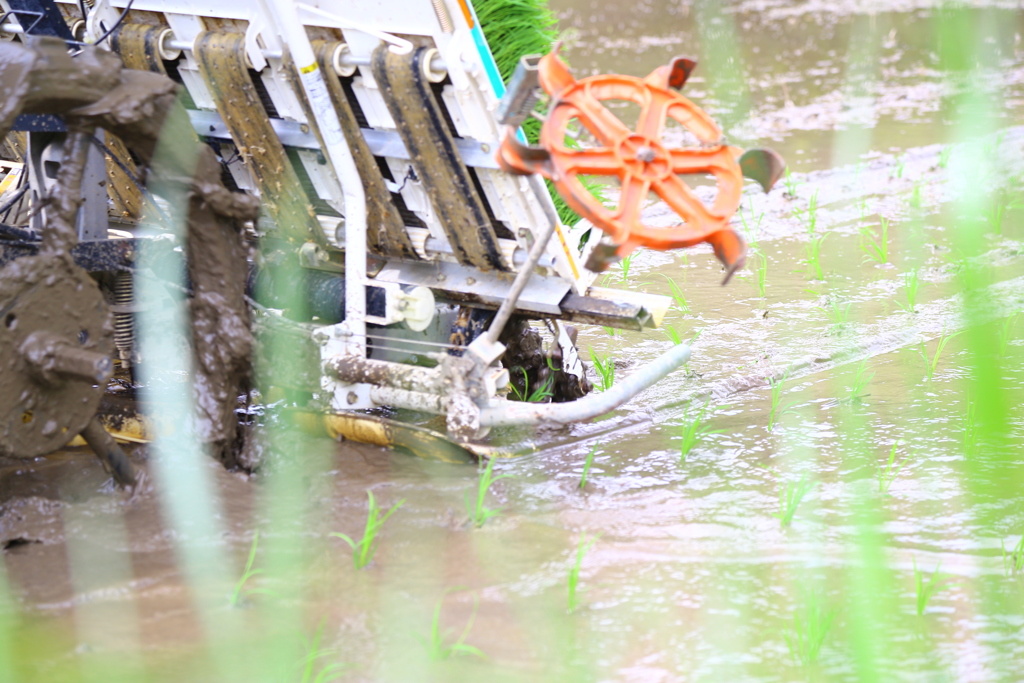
(692, 575)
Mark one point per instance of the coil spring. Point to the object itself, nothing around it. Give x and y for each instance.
(124, 324)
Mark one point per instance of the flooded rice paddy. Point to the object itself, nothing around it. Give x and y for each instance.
(831, 489)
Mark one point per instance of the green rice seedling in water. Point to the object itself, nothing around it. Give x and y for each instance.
(944, 156)
(809, 216)
(624, 264)
(814, 257)
(836, 313)
(538, 395)
(810, 627)
(694, 430)
(926, 589)
(887, 473)
(436, 642)
(751, 228)
(777, 409)
(1013, 561)
(970, 430)
(911, 284)
(477, 511)
(586, 467)
(609, 330)
(995, 212)
(933, 362)
(791, 184)
(876, 249)
(860, 380)
(314, 653)
(241, 592)
(364, 549)
(1004, 334)
(605, 366)
(761, 274)
(677, 295)
(573, 579)
(790, 498)
(672, 335)
(915, 196)
(900, 167)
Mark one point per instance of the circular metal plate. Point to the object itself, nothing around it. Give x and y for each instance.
(47, 293)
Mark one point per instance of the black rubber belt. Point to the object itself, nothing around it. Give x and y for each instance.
(432, 150)
(221, 58)
(385, 229)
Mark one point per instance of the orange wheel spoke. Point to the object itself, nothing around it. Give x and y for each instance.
(652, 116)
(603, 124)
(694, 160)
(631, 203)
(683, 201)
(596, 161)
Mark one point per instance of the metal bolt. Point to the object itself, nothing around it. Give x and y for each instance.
(645, 154)
(485, 148)
(441, 277)
(470, 281)
(352, 398)
(304, 128)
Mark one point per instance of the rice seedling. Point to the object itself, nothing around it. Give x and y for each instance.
(944, 156)
(752, 227)
(791, 184)
(790, 498)
(609, 330)
(624, 265)
(586, 467)
(437, 642)
(777, 409)
(927, 589)
(314, 653)
(811, 625)
(911, 285)
(970, 430)
(762, 274)
(1004, 334)
(538, 395)
(240, 593)
(860, 380)
(995, 212)
(813, 261)
(915, 195)
(605, 366)
(888, 472)
(1013, 561)
(573, 580)
(478, 512)
(694, 430)
(364, 549)
(672, 334)
(932, 362)
(901, 166)
(809, 216)
(876, 249)
(836, 313)
(676, 292)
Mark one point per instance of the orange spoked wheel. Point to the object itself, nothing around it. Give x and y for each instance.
(638, 158)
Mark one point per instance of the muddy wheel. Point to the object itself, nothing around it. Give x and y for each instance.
(56, 340)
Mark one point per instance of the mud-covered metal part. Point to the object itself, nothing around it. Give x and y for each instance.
(93, 90)
(385, 234)
(533, 371)
(55, 334)
(114, 460)
(457, 205)
(221, 58)
(96, 257)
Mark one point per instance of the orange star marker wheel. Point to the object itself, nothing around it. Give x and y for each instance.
(638, 158)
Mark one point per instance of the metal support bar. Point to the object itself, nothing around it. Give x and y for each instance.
(536, 252)
(364, 371)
